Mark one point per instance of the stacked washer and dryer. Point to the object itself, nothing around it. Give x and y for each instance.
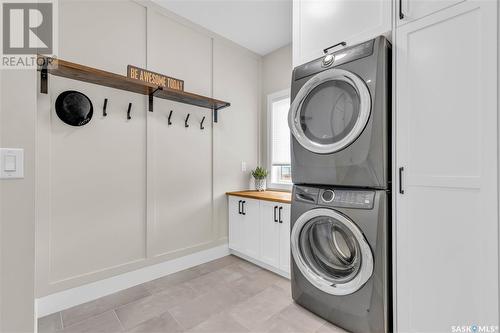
(341, 169)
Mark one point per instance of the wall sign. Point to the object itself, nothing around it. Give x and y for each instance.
(156, 79)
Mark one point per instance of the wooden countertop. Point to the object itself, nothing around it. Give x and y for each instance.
(276, 196)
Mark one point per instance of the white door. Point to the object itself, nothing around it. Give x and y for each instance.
(250, 213)
(319, 24)
(446, 216)
(269, 233)
(284, 220)
(236, 226)
(409, 10)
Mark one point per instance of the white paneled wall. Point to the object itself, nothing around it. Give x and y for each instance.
(117, 194)
(17, 216)
(181, 158)
(236, 79)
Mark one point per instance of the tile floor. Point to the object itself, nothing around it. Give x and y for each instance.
(226, 295)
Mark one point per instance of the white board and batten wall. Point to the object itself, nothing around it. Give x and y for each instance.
(118, 195)
(445, 117)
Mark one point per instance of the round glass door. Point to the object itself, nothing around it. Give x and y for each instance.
(330, 111)
(331, 251)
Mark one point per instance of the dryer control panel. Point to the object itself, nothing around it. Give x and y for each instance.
(360, 199)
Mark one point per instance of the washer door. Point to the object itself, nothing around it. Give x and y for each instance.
(331, 252)
(330, 111)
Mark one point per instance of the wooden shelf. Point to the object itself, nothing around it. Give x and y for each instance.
(83, 73)
(275, 196)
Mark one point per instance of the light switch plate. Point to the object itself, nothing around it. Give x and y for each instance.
(11, 163)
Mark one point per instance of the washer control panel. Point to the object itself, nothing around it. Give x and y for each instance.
(360, 199)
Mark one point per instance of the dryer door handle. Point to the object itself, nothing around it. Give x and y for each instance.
(325, 51)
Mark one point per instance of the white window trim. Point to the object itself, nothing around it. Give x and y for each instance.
(270, 99)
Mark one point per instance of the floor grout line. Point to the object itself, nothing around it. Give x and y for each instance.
(178, 323)
(60, 318)
(119, 321)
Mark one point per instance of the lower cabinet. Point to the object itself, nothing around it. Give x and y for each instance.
(244, 226)
(260, 231)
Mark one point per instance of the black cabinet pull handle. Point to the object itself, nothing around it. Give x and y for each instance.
(275, 208)
(401, 15)
(325, 51)
(279, 213)
(239, 207)
(243, 208)
(401, 190)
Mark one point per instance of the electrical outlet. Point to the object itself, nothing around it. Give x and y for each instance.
(243, 166)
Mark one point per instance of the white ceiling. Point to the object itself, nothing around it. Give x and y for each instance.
(259, 25)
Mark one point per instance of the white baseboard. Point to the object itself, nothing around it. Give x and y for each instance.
(261, 264)
(89, 292)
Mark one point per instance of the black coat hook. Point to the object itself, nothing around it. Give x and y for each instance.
(186, 121)
(128, 111)
(170, 116)
(104, 114)
(201, 124)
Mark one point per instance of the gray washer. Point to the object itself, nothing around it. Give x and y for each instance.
(341, 256)
(340, 118)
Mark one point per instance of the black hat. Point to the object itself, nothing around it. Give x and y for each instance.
(74, 108)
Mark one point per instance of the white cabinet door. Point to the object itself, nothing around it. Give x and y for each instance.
(318, 24)
(285, 238)
(446, 219)
(269, 233)
(409, 10)
(236, 227)
(251, 233)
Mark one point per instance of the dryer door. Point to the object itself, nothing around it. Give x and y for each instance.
(330, 111)
(331, 251)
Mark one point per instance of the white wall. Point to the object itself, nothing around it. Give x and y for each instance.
(117, 195)
(17, 214)
(276, 76)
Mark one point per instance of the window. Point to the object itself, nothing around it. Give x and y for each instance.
(278, 145)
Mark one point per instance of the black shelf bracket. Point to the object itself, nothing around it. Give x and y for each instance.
(44, 80)
(186, 120)
(151, 95)
(216, 115)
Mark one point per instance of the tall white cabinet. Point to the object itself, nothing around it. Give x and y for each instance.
(446, 226)
(319, 24)
(409, 10)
